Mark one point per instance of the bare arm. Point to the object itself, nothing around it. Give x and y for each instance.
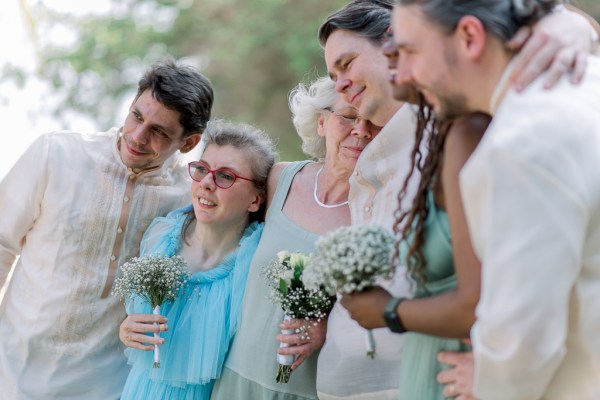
(450, 314)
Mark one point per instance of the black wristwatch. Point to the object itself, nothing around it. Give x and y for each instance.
(391, 317)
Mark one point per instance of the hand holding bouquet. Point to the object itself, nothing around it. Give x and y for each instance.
(155, 279)
(284, 277)
(351, 259)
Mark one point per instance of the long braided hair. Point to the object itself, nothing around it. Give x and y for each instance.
(430, 136)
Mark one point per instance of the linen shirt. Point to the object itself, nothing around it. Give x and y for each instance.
(344, 371)
(73, 212)
(531, 192)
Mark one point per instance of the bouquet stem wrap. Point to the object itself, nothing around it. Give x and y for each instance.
(156, 311)
(284, 370)
(370, 344)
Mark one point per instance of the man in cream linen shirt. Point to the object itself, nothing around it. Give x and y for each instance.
(352, 38)
(73, 208)
(531, 194)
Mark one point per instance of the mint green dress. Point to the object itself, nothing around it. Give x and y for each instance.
(419, 355)
(251, 364)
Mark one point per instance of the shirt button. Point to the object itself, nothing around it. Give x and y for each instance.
(126, 199)
(113, 258)
(355, 173)
(119, 230)
(367, 209)
(131, 177)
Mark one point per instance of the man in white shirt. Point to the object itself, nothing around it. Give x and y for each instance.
(530, 192)
(73, 208)
(352, 38)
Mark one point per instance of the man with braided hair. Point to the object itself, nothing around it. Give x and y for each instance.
(530, 193)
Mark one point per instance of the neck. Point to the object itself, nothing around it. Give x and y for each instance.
(386, 112)
(332, 185)
(208, 245)
(487, 80)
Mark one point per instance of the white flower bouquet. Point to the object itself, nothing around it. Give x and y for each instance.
(155, 279)
(284, 277)
(351, 259)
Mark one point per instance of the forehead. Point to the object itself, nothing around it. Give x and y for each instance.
(226, 157)
(343, 43)
(157, 113)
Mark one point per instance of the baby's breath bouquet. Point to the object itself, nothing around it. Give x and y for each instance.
(284, 277)
(351, 259)
(155, 279)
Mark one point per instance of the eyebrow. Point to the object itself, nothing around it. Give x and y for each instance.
(156, 126)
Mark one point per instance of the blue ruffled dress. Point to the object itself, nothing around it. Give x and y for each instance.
(202, 320)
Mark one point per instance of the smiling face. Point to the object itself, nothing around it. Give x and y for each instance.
(427, 58)
(346, 134)
(151, 134)
(230, 206)
(359, 69)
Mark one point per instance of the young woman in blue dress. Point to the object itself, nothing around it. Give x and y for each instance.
(216, 235)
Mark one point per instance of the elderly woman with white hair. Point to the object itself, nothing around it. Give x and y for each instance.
(305, 199)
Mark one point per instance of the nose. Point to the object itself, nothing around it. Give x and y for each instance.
(390, 51)
(403, 73)
(342, 84)
(362, 129)
(140, 135)
(208, 182)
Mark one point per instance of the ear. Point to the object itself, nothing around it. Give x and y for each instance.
(256, 202)
(190, 142)
(471, 35)
(321, 125)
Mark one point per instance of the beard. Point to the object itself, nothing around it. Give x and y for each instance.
(452, 107)
(405, 93)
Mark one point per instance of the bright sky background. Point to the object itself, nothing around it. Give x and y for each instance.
(20, 121)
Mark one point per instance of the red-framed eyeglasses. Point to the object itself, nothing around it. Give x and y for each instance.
(223, 177)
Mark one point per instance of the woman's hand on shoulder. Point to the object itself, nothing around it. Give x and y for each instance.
(133, 329)
(559, 43)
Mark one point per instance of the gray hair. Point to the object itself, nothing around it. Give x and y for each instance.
(502, 18)
(306, 104)
(366, 18)
(255, 144)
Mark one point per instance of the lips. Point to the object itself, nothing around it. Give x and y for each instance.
(356, 150)
(354, 97)
(392, 75)
(133, 150)
(206, 202)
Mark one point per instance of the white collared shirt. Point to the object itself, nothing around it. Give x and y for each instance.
(531, 192)
(343, 370)
(72, 212)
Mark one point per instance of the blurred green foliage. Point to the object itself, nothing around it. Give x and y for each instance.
(253, 51)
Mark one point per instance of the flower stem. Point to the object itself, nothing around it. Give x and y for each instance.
(283, 373)
(370, 344)
(156, 311)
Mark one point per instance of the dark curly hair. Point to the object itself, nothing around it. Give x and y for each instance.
(410, 224)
